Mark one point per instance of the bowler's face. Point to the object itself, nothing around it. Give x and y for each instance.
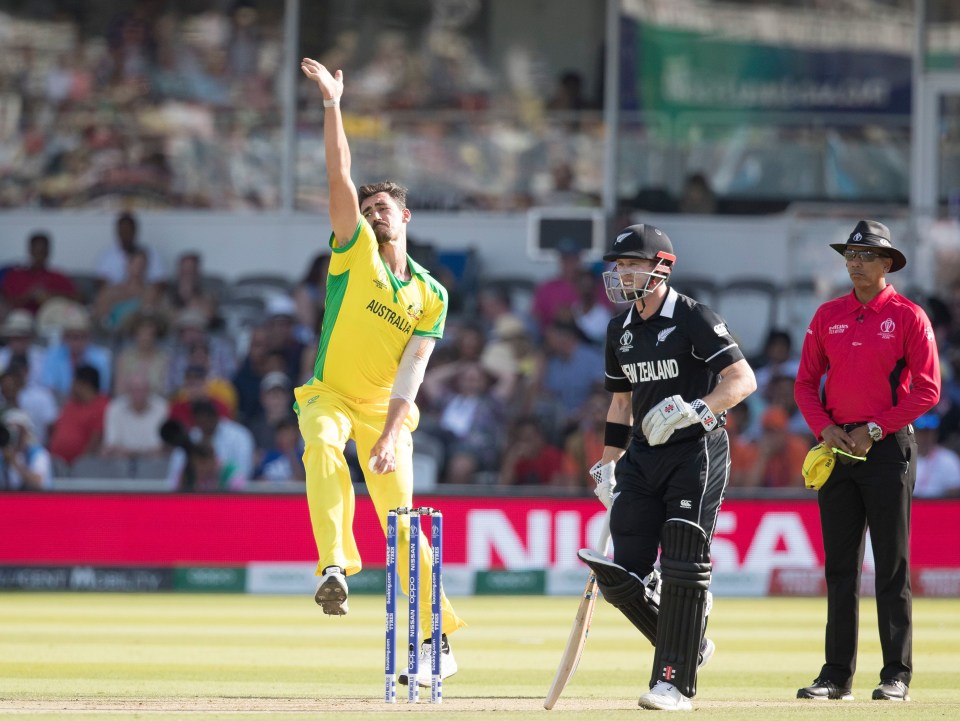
(384, 215)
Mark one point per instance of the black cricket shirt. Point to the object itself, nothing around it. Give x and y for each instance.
(679, 350)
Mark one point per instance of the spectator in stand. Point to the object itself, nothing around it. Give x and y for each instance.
(529, 459)
(563, 191)
(310, 296)
(187, 291)
(283, 459)
(79, 429)
(511, 357)
(467, 419)
(743, 452)
(584, 445)
(195, 388)
(133, 419)
(11, 383)
(276, 400)
(204, 472)
(116, 302)
(74, 350)
(780, 392)
(191, 330)
(29, 286)
(493, 304)
(113, 262)
(281, 333)
(938, 468)
(780, 453)
(697, 197)
(562, 291)
(33, 399)
(18, 338)
(232, 443)
(568, 93)
(254, 367)
(464, 341)
(589, 313)
(144, 353)
(567, 374)
(24, 463)
(777, 359)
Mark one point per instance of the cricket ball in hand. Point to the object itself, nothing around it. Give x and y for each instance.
(372, 463)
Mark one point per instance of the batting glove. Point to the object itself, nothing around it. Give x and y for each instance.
(606, 482)
(673, 413)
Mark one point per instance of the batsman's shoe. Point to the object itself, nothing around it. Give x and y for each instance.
(665, 697)
(448, 664)
(331, 593)
(823, 690)
(707, 649)
(891, 690)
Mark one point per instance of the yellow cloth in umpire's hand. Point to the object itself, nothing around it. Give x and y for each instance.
(818, 465)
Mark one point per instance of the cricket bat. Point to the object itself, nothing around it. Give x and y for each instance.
(581, 627)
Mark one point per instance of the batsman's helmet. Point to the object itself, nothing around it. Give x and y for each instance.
(817, 466)
(644, 242)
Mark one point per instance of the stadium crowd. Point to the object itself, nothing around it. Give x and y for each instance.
(148, 371)
(183, 107)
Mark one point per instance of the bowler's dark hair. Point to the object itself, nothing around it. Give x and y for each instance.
(394, 190)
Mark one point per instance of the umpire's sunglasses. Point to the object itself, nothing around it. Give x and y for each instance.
(866, 256)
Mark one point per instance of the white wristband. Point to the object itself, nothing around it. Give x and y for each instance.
(331, 103)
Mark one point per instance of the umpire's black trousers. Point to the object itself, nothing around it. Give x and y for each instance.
(875, 493)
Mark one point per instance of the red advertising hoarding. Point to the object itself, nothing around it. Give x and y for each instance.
(756, 536)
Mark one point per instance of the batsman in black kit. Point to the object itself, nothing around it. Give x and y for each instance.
(673, 369)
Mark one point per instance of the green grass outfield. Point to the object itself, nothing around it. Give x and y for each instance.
(182, 656)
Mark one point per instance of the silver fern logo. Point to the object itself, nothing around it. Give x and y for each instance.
(662, 335)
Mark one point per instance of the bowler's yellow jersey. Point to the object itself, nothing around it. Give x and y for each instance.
(370, 316)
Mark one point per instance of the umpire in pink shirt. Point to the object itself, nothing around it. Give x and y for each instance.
(879, 356)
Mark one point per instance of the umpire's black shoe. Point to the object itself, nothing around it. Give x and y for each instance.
(891, 690)
(824, 690)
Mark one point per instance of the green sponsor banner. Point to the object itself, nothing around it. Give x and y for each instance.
(680, 71)
(368, 582)
(217, 579)
(517, 583)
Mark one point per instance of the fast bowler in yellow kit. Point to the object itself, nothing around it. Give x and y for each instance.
(384, 313)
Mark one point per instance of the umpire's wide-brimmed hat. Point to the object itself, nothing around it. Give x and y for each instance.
(640, 241)
(871, 234)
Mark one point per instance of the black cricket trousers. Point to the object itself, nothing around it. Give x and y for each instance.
(875, 494)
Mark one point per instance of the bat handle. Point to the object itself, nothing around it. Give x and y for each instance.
(603, 543)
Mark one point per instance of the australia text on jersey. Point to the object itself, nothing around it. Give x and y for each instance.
(392, 317)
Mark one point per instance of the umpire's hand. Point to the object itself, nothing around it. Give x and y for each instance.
(857, 442)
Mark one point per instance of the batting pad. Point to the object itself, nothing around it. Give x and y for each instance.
(685, 570)
(625, 592)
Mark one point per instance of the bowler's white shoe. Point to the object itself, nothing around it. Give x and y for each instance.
(331, 593)
(448, 664)
(665, 697)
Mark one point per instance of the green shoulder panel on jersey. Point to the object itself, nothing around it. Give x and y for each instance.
(437, 330)
(336, 291)
(348, 245)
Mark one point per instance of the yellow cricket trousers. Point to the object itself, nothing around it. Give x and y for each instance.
(327, 420)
